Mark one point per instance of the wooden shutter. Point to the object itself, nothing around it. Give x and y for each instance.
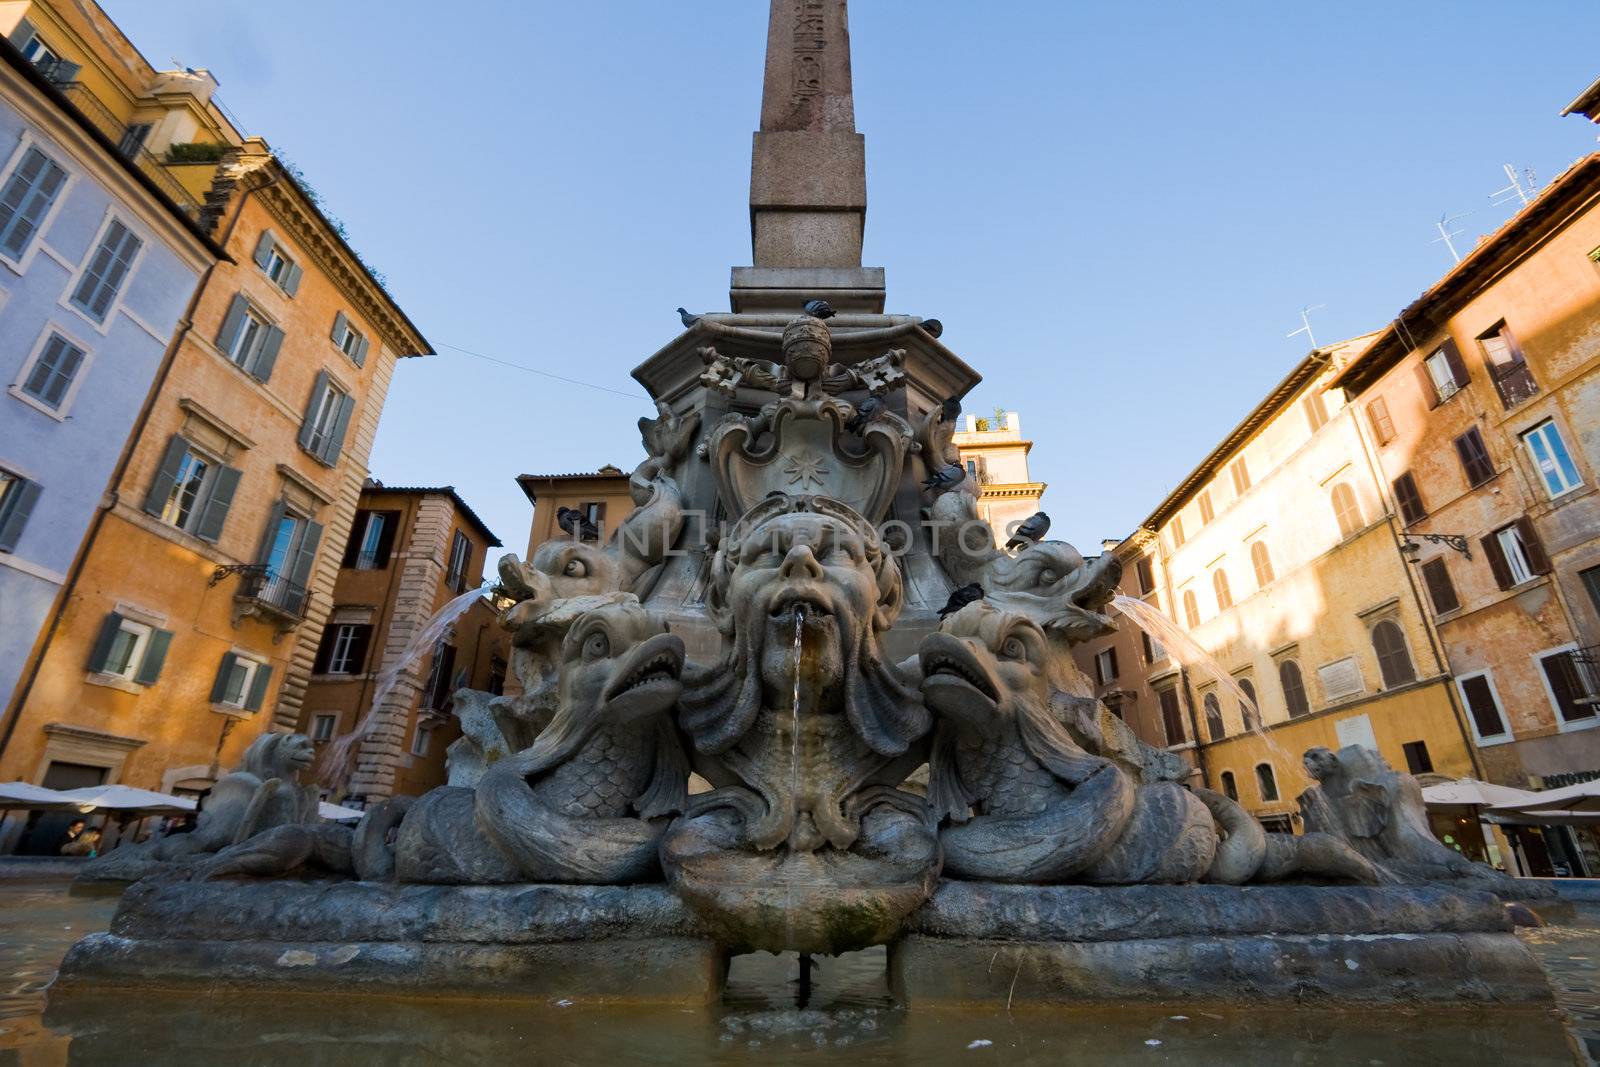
(266, 354)
(1441, 590)
(1430, 395)
(166, 475)
(308, 427)
(109, 628)
(258, 687)
(1410, 501)
(1474, 457)
(232, 322)
(217, 503)
(391, 526)
(155, 654)
(219, 688)
(264, 249)
(358, 534)
(19, 505)
(306, 554)
(1382, 424)
(291, 279)
(1114, 672)
(1452, 359)
(341, 324)
(1147, 579)
(1497, 561)
(324, 657)
(1481, 703)
(1533, 548)
(341, 422)
(360, 354)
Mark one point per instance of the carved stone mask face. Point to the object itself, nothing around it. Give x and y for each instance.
(297, 753)
(621, 660)
(981, 661)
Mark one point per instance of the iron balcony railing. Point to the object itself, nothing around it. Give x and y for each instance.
(370, 561)
(272, 590)
(1578, 673)
(130, 145)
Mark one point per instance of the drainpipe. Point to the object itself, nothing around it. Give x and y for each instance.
(109, 500)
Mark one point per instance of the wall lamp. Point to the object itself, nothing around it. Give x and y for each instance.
(1412, 549)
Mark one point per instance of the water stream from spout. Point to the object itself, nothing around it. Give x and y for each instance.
(1187, 651)
(794, 775)
(337, 763)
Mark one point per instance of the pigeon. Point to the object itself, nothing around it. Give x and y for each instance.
(1032, 529)
(866, 411)
(960, 598)
(576, 524)
(933, 326)
(818, 309)
(688, 319)
(948, 478)
(950, 410)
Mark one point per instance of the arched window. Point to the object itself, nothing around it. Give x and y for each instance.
(1266, 781)
(1230, 788)
(1214, 727)
(1262, 561)
(1251, 713)
(1393, 659)
(1191, 608)
(1219, 582)
(1346, 510)
(1294, 689)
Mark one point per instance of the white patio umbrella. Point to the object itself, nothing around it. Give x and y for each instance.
(125, 798)
(1471, 793)
(1582, 797)
(336, 813)
(27, 795)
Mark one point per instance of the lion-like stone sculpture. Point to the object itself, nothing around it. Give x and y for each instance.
(805, 728)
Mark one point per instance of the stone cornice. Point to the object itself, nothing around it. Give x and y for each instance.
(310, 230)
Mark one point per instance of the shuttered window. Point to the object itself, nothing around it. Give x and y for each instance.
(1507, 367)
(50, 379)
(241, 682)
(1346, 509)
(1474, 456)
(343, 649)
(1409, 500)
(130, 650)
(1177, 531)
(1207, 512)
(1266, 782)
(26, 199)
(1105, 666)
(1261, 560)
(191, 490)
(350, 341)
(371, 540)
(17, 499)
(327, 419)
(1394, 661)
(1441, 590)
(1171, 716)
(1241, 476)
(108, 268)
(1212, 708)
(1191, 608)
(1482, 707)
(1382, 424)
(1219, 583)
(1445, 372)
(249, 339)
(1515, 554)
(1574, 684)
(460, 558)
(1146, 573)
(1316, 411)
(1294, 688)
(1250, 712)
(274, 260)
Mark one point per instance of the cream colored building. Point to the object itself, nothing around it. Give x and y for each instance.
(996, 455)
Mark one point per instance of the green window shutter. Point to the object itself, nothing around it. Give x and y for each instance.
(232, 322)
(166, 475)
(217, 504)
(274, 517)
(341, 323)
(20, 35)
(102, 643)
(258, 688)
(267, 354)
(155, 654)
(219, 688)
(14, 516)
(291, 279)
(308, 427)
(264, 248)
(341, 422)
(305, 555)
(360, 354)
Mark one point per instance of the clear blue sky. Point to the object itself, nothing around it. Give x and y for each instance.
(1116, 209)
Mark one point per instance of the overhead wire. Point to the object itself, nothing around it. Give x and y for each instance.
(536, 370)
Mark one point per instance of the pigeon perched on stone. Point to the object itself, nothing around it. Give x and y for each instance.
(818, 309)
(1032, 529)
(688, 319)
(866, 411)
(960, 598)
(950, 410)
(933, 327)
(948, 478)
(576, 524)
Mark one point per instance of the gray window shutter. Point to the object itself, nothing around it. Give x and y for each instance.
(291, 279)
(231, 323)
(360, 354)
(103, 643)
(308, 426)
(274, 517)
(19, 505)
(258, 688)
(20, 35)
(335, 442)
(306, 555)
(155, 654)
(267, 354)
(217, 504)
(341, 323)
(264, 248)
(219, 688)
(166, 476)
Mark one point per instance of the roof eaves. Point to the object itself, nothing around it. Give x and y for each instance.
(446, 490)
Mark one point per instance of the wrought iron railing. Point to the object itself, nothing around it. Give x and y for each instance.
(272, 590)
(370, 560)
(100, 117)
(1575, 678)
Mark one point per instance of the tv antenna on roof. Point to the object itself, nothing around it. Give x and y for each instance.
(1515, 188)
(1305, 324)
(1445, 232)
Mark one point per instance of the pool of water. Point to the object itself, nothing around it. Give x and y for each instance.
(846, 1018)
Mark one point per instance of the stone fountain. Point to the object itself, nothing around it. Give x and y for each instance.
(755, 719)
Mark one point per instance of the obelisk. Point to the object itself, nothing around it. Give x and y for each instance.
(808, 171)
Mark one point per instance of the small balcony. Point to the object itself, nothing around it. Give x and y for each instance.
(267, 595)
(129, 141)
(1575, 679)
